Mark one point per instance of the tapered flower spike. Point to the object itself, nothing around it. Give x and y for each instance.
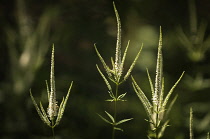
(53, 110)
(52, 107)
(158, 78)
(157, 111)
(118, 44)
(115, 73)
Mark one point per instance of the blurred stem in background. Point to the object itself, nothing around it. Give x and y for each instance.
(28, 43)
(27, 46)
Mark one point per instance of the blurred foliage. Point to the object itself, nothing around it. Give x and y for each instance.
(28, 29)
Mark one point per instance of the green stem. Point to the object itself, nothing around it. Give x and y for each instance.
(156, 124)
(53, 132)
(115, 111)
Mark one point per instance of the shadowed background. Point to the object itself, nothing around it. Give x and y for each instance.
(29, 28)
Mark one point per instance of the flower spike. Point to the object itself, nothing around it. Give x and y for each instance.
(53, 110)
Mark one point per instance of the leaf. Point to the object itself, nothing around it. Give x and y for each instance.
(105, 80)
(119, 129)
(132, 65)
(111, 117)
(107, 69)
(105, 119)
(123, 121)
(111, 100)
(111, 95)
(162, 130)
(121, 96)
(171, 105)
(63, 105)
(171, 91)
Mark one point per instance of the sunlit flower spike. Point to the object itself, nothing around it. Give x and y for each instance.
(54, 112)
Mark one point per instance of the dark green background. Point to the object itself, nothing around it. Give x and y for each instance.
(74, 26)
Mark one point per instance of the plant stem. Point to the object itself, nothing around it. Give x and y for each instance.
(156, 124)
(115, 111)
(53, 132)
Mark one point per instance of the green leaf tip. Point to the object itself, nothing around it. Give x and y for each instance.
(123, 121)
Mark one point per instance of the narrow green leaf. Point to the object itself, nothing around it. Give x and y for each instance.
(132, 65)
(107, 69)
(119, 129)
(105, 80)
(191, 124)
(111, 117)
(111, 100)
(62, 107)
(171, 91)
(104, 119)
(121, 96)
(123, 121)
(171, 105)
(111, 94)
(162, 130)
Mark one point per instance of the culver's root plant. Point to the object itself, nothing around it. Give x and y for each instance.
(156, 108)
(54, 112)
(114, 75)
